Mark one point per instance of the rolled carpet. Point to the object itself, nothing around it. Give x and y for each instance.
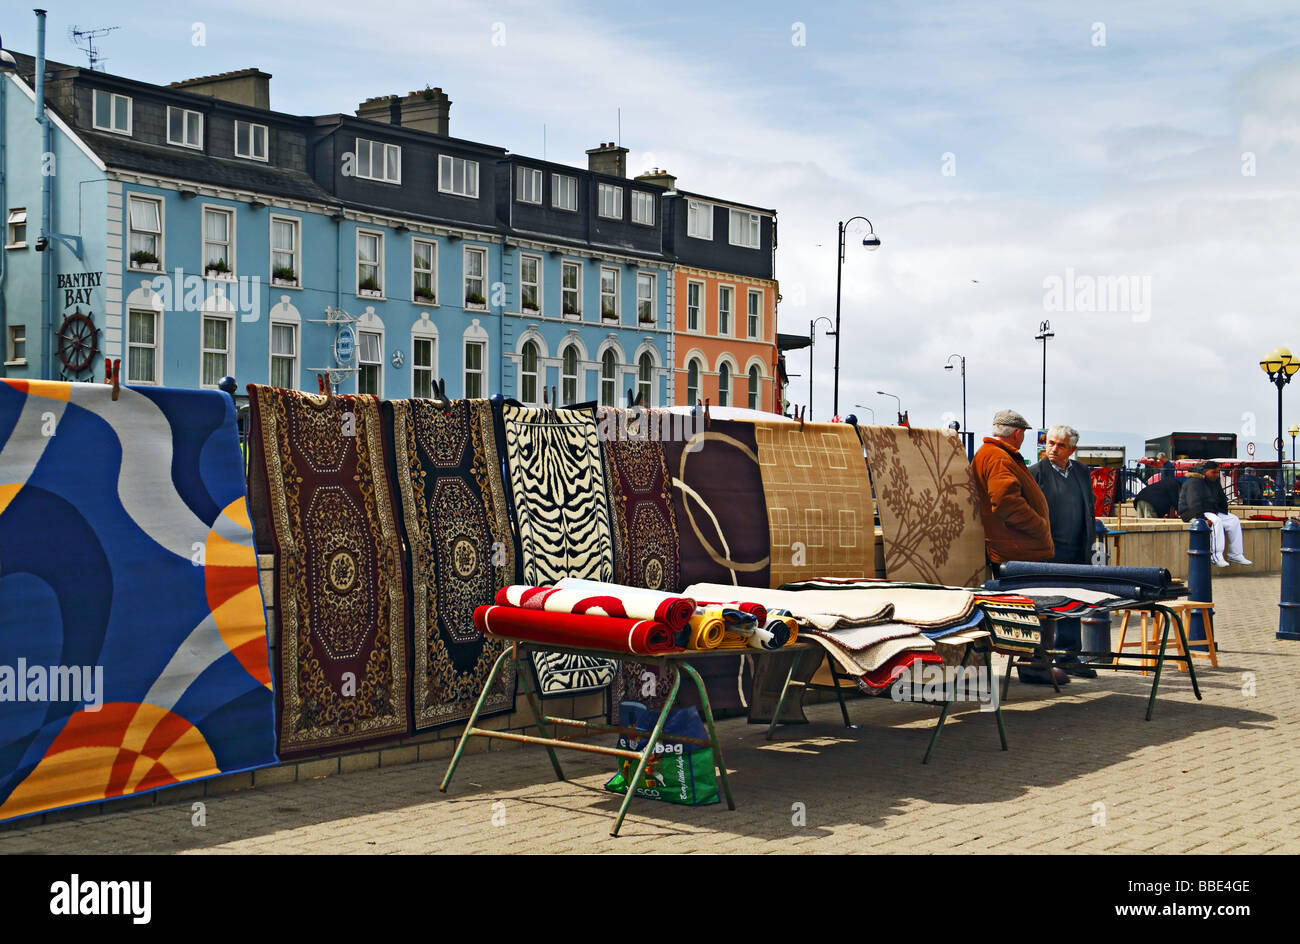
(611, 634)
(707, 630)
(791, 625)
(755, 638)
(756, 610)
(601, 599)
(1157, 578)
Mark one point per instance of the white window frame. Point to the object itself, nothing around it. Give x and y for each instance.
(379, 263)
(433, 270)
(185, 141)
(537, 374)
(228, 351)
(645, 278)
(480, 371)
(616, 316)
(384, 149)
(417, 368)
(755, 395)
(576, 292)
(155, 348)
(17, 334)
(252, 154)
(112, 111)
(292, 359)
(528, 180)
(757, 314)
(731, 311)
(447, 176)
(742, 226)
(699, 219)
(700, 307)
(575, 377)
(613, 381)
(699, 379)
(159, 242)
(648, 393)
(229, 213)
(17, 217)
(564, 185)
(465, 278)
(295, 224)
(615, 195)
(371, 330)
(724, 393)
(525, 258)
(643, 208)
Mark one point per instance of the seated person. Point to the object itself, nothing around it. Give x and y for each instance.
(1250, 490)
(1159, 498)
(1202, 497)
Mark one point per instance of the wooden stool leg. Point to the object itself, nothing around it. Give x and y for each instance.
(1123, 635)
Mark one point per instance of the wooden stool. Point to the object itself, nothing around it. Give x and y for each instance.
(1148, 641)
(1151, 630)
(1184, 611)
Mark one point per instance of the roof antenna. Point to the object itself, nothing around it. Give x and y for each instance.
(543, 142)
(620, 126)
(85, 41)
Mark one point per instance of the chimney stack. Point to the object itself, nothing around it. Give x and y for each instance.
(608, 159)
(243, 87)
(380, 108)
(428, 109)
(660, 177)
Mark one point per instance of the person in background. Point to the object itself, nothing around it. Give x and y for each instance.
(1159, 498)
(1068, 489)
(1250, 490)
(1202, 497)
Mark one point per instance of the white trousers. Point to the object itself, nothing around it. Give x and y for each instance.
(1227, 530)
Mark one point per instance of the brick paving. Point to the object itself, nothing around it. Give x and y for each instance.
(1084, 773)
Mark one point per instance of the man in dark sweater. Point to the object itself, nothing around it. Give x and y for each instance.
(1158, 499)
(1067, 484)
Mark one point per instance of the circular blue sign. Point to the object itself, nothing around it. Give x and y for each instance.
(345, 345)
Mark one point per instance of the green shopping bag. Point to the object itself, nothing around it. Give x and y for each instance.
(676, 772)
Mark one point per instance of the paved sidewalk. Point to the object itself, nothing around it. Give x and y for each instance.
(1084, 773)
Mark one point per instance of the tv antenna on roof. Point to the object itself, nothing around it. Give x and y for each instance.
(85, 41)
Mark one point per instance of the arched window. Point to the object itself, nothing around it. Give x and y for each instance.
(569, 375)
(692, 382)
(753, 387)
(528, 387)
(608, 380)
(724, 384)
(645, 373)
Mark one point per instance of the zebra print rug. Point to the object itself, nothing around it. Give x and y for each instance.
(562, 522)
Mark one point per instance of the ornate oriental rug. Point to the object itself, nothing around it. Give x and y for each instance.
(645, 528)
(559, 504)
(459, 552)
(928, 504)
(321, 494)
(132, 639)
(818, 500)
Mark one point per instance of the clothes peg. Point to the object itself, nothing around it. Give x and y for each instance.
(113, 374)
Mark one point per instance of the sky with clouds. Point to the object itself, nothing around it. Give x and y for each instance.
(1015, 159)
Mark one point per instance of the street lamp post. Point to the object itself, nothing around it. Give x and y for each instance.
(811, 326)
(1044, 334)
(1279, 365)
(964, 435)
(900, 404)
(863, 406)
(872, 242)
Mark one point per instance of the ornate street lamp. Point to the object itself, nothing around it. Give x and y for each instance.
(871, 242)
(1279, 365)
(811, 326)
(1045, 334)
(948, 366)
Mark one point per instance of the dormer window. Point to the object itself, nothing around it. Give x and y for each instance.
(457, 175)
(250, 140)
(379, 161)
(699, 219)
(184, 128)
(112, 112)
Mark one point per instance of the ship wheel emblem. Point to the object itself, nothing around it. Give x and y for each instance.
(78, 342)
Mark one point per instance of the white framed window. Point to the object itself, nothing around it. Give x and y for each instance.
(370, 263)
(218, 242)
(699, 219)
(286, 242)
(530, 283)
(643, 208)
(185, 127)
(457, 175)
(609, 293)
(726, 301)
(142, 347)
(744, 229)
(475, 352)
(564, 192)
(724, 384)
(754, 380)
(16, 351)
(112, 112)
(250, 140)
(16, 237)
(528, 185)
(569, 374)
(475, 262)
(424, 272)
(284, 355)
(645, 378)
(694, 300)
(609, 379)
(528, 374)
(216, 349)
(645, 298)
(144, 232)
(692, 382)
(370, 362)
(753, 313)
(424, 351)
(379, 161)
(571, 290)
(610, 203)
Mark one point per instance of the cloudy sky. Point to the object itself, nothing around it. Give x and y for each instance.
(1019, 161)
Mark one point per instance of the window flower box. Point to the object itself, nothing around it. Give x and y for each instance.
(475, 300)
(218, 270)
(143, 259)
(422, 298)
(609, 313)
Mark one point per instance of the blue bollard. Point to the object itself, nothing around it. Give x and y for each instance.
(1198, 580)
(1289, 625)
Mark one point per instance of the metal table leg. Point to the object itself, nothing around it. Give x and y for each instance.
(506, 653)
(650, 749)
(713, 734)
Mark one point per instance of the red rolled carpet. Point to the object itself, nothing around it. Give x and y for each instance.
(612, 634)
(757, 610)
(601, 599)
(885, 676)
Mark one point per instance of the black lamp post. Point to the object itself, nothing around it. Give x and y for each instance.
(812, 325)
(1279, 365)
(964, 434)
(872, 242)
(1044, 334)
